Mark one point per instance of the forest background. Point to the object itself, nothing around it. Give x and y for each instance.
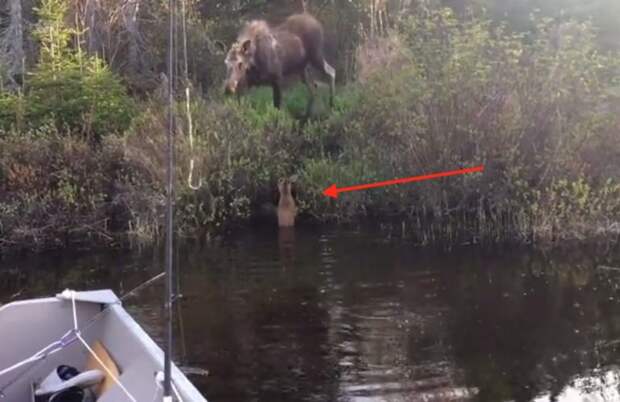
(528, 88)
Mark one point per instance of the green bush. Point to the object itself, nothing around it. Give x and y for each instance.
(55, 191)
(11, 111)
(90, 99)
(534, 112)
(537, 112)
(463, 93)
(238, 154)
(74, 92)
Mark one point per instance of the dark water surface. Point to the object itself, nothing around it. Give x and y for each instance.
(350, 316)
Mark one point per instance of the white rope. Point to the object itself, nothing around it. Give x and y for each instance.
(188, 112)
(60, 344)
(47, 351)
(92, 352)
(191, 143)
(41, 354)
(36, 358)
(74, 311)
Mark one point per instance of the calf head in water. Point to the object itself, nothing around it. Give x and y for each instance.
(287, 209)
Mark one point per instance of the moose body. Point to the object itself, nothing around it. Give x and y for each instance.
(265, 55)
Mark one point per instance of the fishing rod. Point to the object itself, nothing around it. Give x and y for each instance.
(167, 395)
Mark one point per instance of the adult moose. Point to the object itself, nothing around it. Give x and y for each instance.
(265, 55)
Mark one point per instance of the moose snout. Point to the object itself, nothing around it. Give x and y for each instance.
(231, 87)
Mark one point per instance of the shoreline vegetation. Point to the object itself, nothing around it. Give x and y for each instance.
(82, 161)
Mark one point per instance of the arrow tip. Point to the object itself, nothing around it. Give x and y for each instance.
(331, 191)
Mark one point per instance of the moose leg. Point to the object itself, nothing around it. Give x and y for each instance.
(308, 81)
(306, 78)
(331, 72)
(277, 94)
(319, 62)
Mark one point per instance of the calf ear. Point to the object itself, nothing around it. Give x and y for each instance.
(245, 46)
(220, 47)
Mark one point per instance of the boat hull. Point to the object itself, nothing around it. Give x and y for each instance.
(28, 326)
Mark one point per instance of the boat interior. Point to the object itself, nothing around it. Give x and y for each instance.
(39, 336)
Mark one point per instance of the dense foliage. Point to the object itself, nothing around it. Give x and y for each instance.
(534, 109)
(425, 90)
(55, 191)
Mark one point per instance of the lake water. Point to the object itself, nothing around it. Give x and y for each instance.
(348, 315)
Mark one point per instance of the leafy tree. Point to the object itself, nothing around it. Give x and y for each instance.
(76, 92)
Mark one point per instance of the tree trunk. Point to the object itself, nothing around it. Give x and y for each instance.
(91, 11)
(12, 45)
(134, 39)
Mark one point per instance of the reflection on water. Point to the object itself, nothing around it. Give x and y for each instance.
(348, 316)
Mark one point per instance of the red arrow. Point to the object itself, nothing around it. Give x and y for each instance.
(333, 191)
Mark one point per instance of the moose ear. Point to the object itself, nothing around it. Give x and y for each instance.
(245, 46)
(220, 47)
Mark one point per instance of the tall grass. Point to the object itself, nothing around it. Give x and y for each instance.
(537, 110)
